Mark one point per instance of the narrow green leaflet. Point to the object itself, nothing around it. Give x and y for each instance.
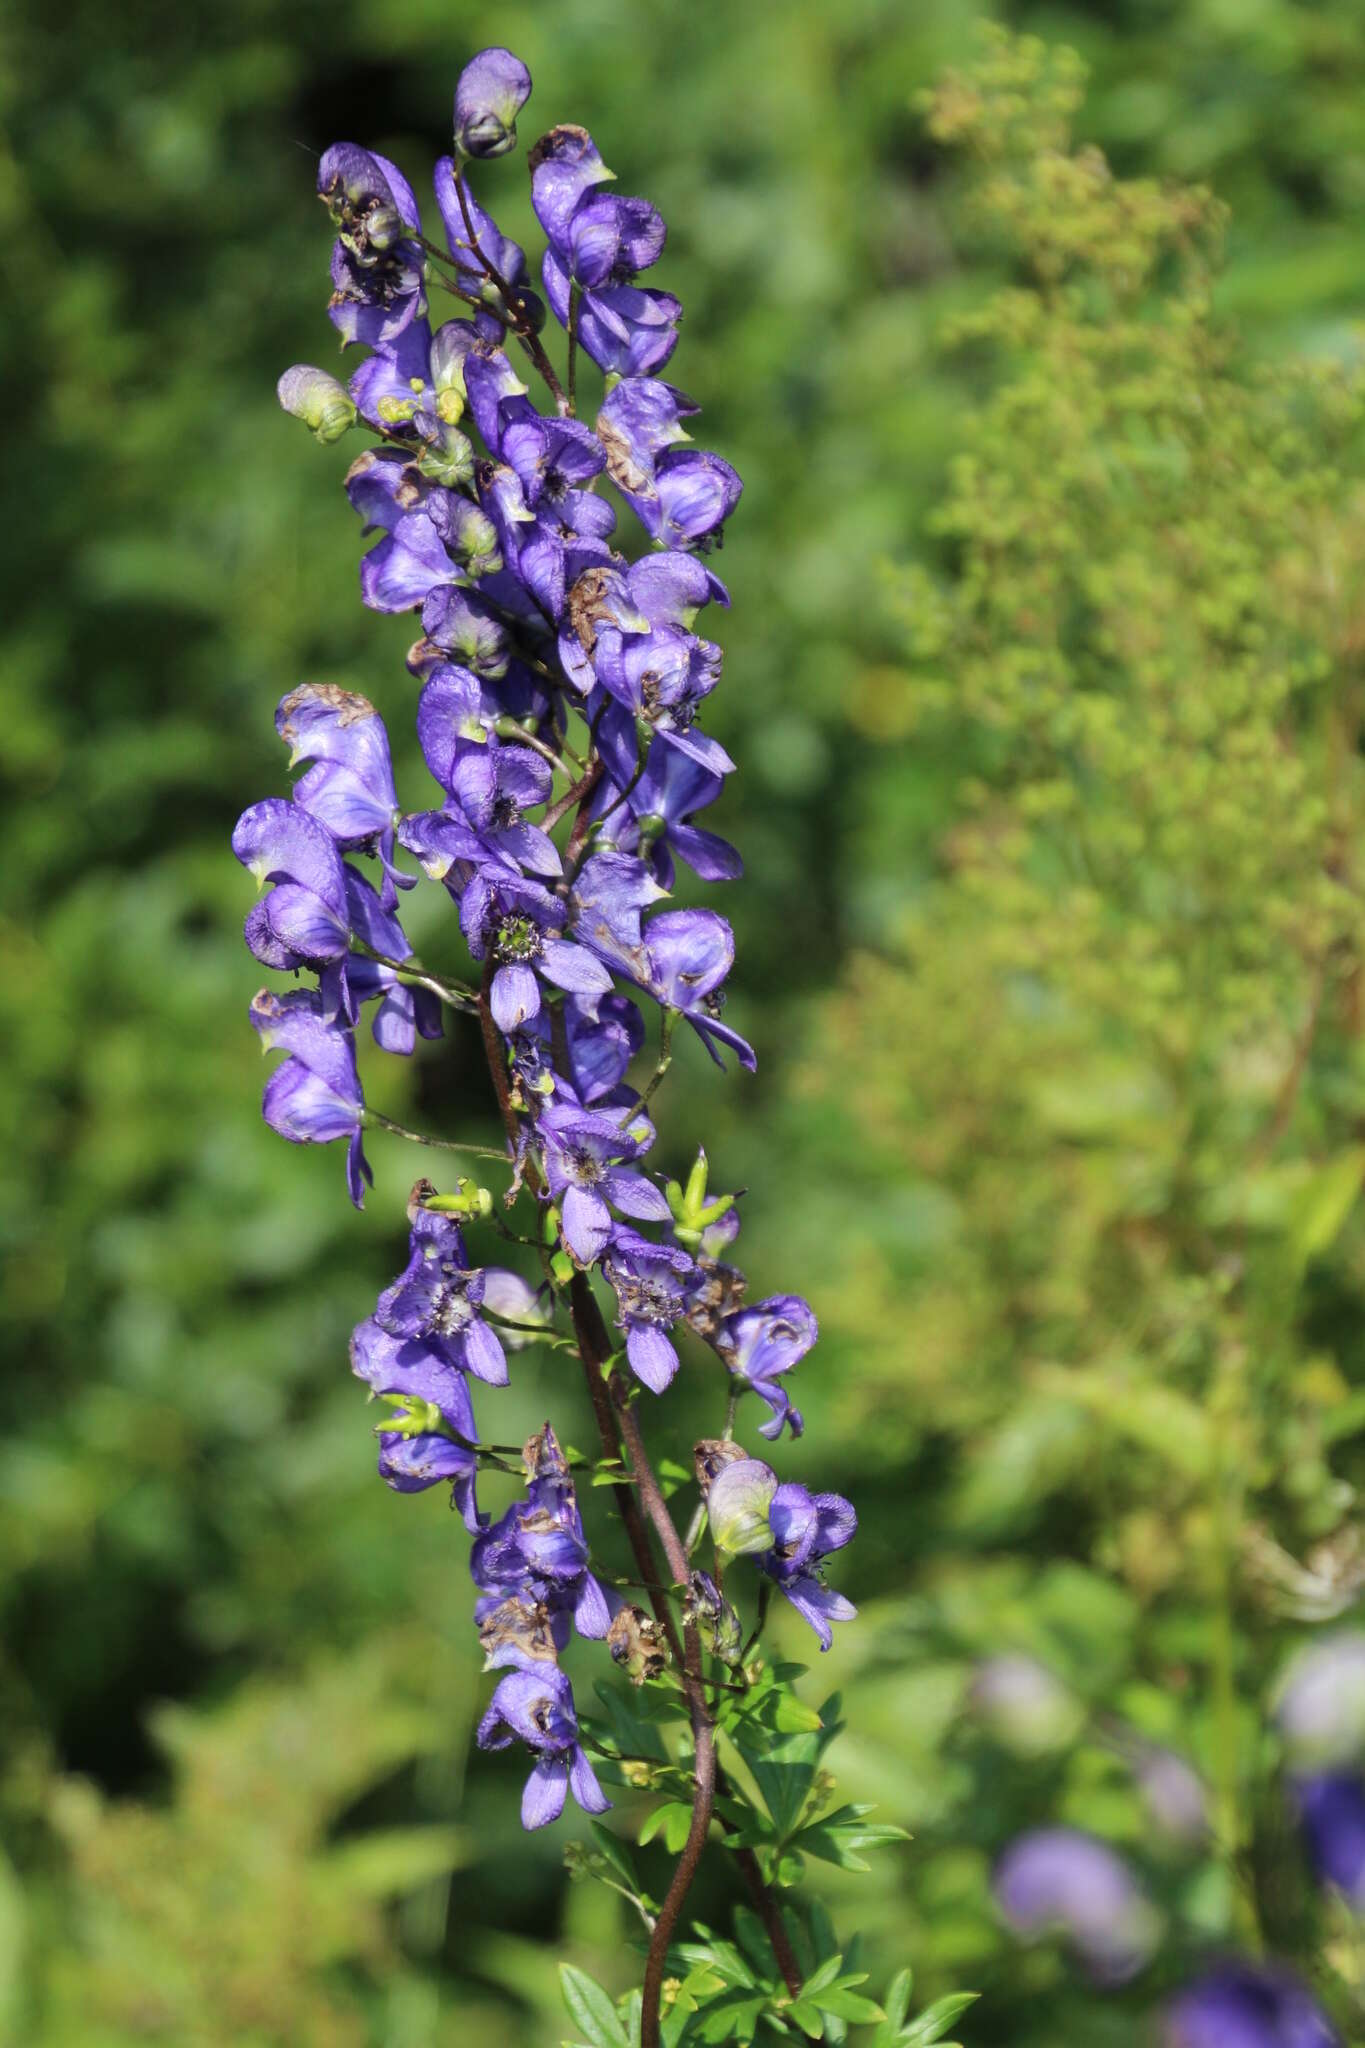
(592, 2010)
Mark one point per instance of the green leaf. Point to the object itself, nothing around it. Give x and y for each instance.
(591, 2009)
(934, 2022)
(897, 2006)
(849, 2005)
(1324, 1203)
(673, 1820)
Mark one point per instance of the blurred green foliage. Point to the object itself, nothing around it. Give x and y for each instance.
(1058, 1118)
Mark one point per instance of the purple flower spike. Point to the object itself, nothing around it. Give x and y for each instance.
(536, 1707)
(492, 90)
(437, 1295)
(314, 1096)
(1061, 1881)
(652, 1283)
(760, 1343)
(584, 1155)
(1247, 2005)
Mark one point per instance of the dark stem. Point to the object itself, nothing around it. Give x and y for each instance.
(595, 1347)
(578, 794)
(703, 1733)
(525, 334)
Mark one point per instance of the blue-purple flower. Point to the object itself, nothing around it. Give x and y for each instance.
(428, 1397)
(1060, 1881)
(651, 1283)
(314, 1096)
(588, 1164)
(491, 91)
(598, 244)
(439, 1295)
(536, 1707)
(538, 1552)
(788, 1531)
(377, 268)
(1247, 2005)
(761, 1343)
(1331, 1808)
(689, 954)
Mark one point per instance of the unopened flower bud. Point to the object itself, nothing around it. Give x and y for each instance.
(448, 455)
(469, 1199)
(737, 1507)
(492, 90)
(316, 398)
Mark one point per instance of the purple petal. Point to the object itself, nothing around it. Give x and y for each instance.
(652, 1357)
(514, 997)
(586, 1224)
(542, 1800)
(586, 1789)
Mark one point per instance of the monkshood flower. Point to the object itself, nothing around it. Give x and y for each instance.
(652, 816)
(518, 924)
(403, 1011)
(1247, 2005)
(598, 244)
(690, 952)
(681, 497)
(651, 1283)
(460, 624)
(606, 899)
(1059, 1881)
(304, 921)
(536, 1707)
(432, 536)
(493, 787)
(806, 1528)
(788, 1531)
(314, 1096)
(1320, 1702)
(1024, 1706)
(377, 270)
(428, 1396)
(349, 788)
(587, 1165)
(1331, 1808)
(492, 90)
(761, 1343)
(439, 1295)
(539, 1553)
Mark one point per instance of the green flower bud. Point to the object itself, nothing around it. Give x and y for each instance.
(448, 458)
(737, 1507)
(469, 1199)
(316, 398)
